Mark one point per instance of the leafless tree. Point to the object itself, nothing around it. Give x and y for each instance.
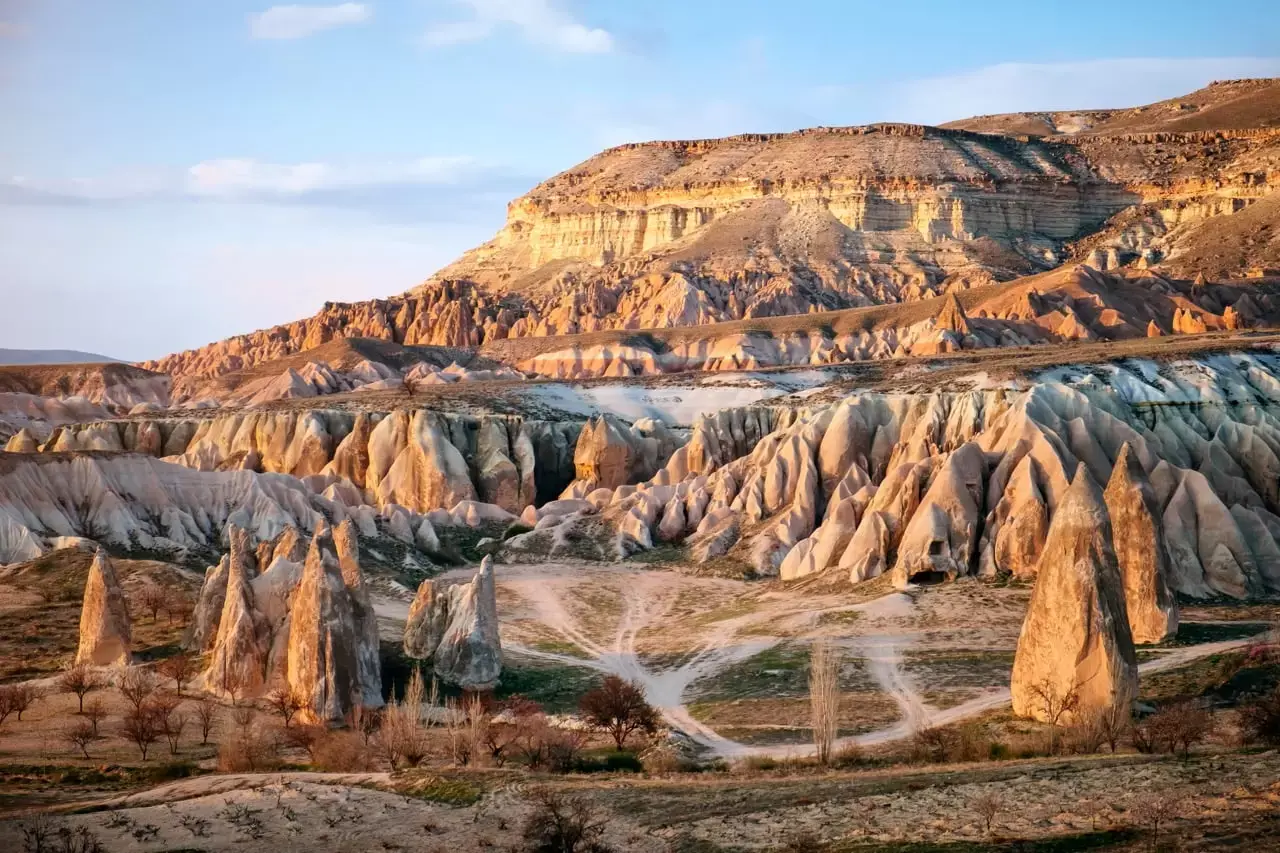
(242, 716)
(563, 824)
(824, 697)
(1055, 703)
(153, 599)
(142, 726)
(987, 806)
(17, 699)
(1154, 811)
(95, 712)
(466, 727)
(401, 733)
(1186, 724)
(618, 707)
(80, 680)
(136, 685)
(364, 721)
(285, 703)
(181, 668)
(81, 735)
(179, 606)
(206, 716)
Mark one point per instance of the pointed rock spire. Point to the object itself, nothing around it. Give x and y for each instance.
(105, 636)
(368, 666)
(322, 665)
(1135, 525)
(951, 316)
(1076, 638)
(237, 659)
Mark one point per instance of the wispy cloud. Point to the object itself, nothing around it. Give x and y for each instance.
(1026, 86)
(541, 22)
(295, 22)
(435, 188)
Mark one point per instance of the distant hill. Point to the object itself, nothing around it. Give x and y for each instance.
(52, 356)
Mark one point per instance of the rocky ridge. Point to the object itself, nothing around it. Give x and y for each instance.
(455, 628)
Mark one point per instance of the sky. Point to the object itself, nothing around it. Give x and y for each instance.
(173, 172)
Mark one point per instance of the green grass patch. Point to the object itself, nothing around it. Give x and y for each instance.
(557, 687)
(960, 668)
(438, 789)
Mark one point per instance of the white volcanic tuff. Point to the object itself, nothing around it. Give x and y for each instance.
(105, 636)
(1140, 553)
(419, 459)
(134, 501)
(966, 483)
(609, 453)
(307, 628)
(456, 628)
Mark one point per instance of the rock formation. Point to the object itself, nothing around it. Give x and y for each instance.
(456, 629)
(308, 628)
(1075, 638)
(105, 637)
(1139, 547)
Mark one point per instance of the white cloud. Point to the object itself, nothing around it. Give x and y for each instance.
(1025, 86)
(295, 22)
(227, 178)
(540, 22)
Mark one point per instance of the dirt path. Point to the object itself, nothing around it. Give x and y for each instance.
(649, 615)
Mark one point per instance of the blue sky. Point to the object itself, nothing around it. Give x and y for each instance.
(176, 171)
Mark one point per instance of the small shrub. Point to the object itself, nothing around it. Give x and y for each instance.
(341, 752)
(1260, 721)
(250, 751)
(561, 824)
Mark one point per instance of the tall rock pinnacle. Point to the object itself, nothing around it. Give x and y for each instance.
(104, 618)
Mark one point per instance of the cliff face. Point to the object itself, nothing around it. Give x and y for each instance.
(672, 234)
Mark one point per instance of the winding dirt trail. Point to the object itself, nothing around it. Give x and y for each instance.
(649, 611)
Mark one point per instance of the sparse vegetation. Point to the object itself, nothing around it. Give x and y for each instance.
(619, 708)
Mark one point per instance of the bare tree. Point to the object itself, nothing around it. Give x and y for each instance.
(206, 717)
(80, 680)
(181, 668)
(987, 806)
(177, 605)
(142, 726)
(466, 727)
(18, 699)
(173, 725)
(619, 707)
(81, 735)
(1113, 723)
(136, 686)
(363, 721)
(285, 703)
(1185, 724)
(1155, 810)
(242, 716)
(824, 697)
(153, 599)
(95, 712)
(563, 824)
(1055, 703)
(1260, 720)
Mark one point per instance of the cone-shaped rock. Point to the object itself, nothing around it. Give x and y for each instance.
(1076, 633)
(236, 661)
(1135, 525)
(368, 667)
(322, 663)
(104, 618)
(457, 629)
(951, 316)
(208, 613)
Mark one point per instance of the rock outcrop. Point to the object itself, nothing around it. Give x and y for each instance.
(456, 629)
(1075, 638)
(1139, 547)
(105, 635)
(308, 628)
